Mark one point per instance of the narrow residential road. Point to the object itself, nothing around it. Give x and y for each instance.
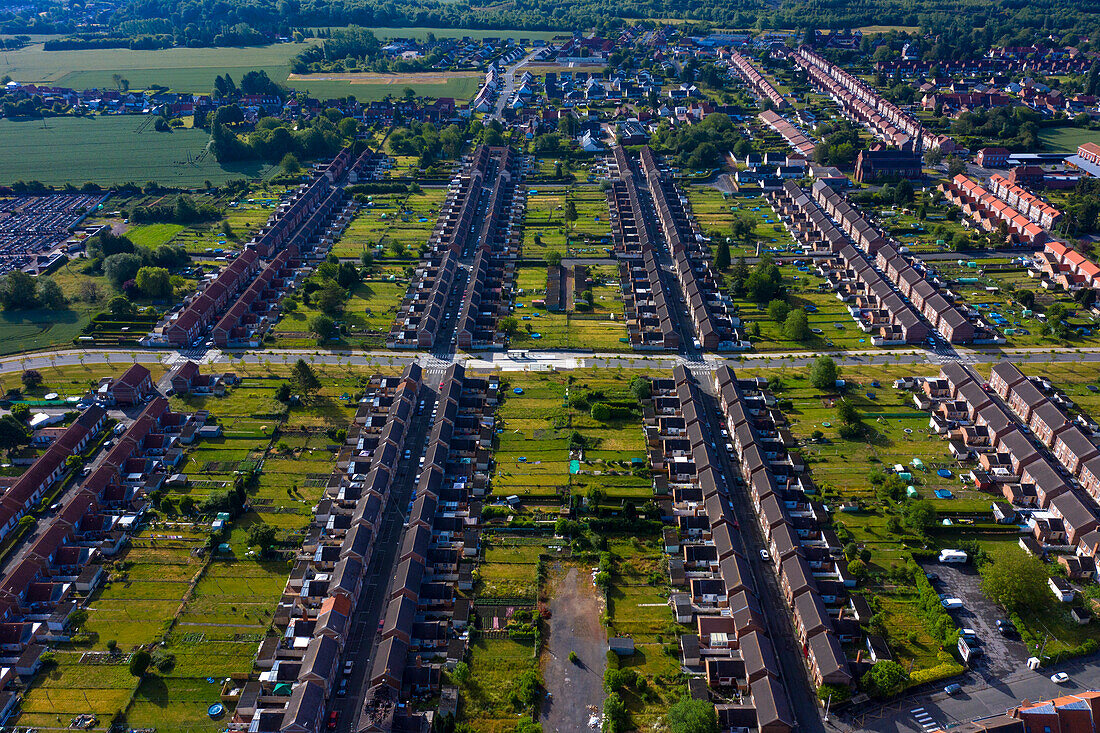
(792, 669)
(509, 85)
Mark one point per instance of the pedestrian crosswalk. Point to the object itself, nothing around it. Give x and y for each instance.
(924, 719)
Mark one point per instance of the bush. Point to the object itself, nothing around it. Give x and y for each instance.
(601, 412)
(941, 671)
(573, 658)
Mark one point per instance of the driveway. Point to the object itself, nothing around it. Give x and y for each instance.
(574, 689)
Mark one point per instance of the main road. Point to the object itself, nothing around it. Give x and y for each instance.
(529, 360)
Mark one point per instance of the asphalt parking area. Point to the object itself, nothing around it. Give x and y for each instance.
(1000, 655)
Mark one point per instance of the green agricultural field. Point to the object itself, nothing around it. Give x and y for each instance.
(324, 86)
(111, 150)
(1066, 139)
(179, 69)
(494, 666)
(194, 69)
(545, 229)
(716, 212)
(533, 453)
(153, 235)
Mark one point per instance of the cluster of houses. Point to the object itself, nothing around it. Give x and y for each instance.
(241, 302)
(904, 275)
(426, 615)
(713, 585)
(63, 563)
(1060, 264)
(989, 212)
(746, 70)
(297, 670)
(770, 170)
(1027, 449)
(253, 106)
(1037, 60)
(802, 143)
(488, 182)
(717, 326)
(650, 322)
(806, 555)
(864, 105)
(462, 53)
(488, 295)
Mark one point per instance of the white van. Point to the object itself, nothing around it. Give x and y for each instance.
(957, 556)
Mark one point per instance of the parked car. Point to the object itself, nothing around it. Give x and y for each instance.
(765, 556)
(1059, 678)
(952, 603)
(953, 689)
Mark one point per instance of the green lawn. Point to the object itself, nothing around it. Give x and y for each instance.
(1066, 139)
(494, 666)
(598, 329)
(637, 606)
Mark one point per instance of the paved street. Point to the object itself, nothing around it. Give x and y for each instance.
(531, 360)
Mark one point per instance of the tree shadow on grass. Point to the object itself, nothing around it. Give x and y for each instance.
(153, 690)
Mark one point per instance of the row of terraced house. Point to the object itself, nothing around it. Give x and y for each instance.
(712, 311)
(805, 553)
(426, 616)
(45, 584)
(649, 317)
(862, 104)
(713, 586)
(241, 302)
(423, 309)
(488, 296)
(906, 273)
(296, 671)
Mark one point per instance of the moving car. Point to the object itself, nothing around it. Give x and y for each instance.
(1059, 678)
(950, 603)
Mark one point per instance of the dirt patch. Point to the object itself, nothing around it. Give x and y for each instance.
(575, 689)
(366, 77)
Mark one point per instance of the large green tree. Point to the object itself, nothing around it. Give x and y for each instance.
(1016, 580)
(692, 716)
(824, 374)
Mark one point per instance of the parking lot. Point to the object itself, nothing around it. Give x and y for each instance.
(1000, 655)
